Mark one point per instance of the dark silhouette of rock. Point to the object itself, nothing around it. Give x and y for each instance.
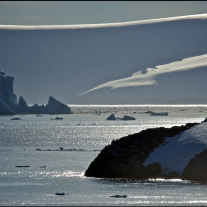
(60, 194)
(119, 196)
(127, 118)
(37, 109)
(7, 95)
(56, 107)
(16, 118)
(151, 171)
(53, 107)
(196, 170)
(8, 101)
(111, 117)
(4, 109)
(22, 107)
(124, 157)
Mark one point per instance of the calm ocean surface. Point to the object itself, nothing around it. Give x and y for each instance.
(81, 137)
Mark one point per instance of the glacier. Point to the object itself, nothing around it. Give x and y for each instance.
(7, 96)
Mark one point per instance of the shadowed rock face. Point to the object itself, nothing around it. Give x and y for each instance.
(22, 107)
(4, 109)
(196, 170)
(56, 107)
(53, 107)
(153, 170)
(7, 95)
(125, 157)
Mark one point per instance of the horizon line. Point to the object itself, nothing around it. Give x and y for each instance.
(137, 105)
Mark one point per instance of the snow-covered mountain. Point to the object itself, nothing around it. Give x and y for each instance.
(69, 60)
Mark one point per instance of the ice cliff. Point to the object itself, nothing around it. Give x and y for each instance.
(4, 109)
(7, 95)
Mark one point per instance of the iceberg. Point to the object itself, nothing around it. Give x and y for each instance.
(4, 109)
(22, 107)
(112, 117)
(7, 95)
(56, 107)
(53, 107)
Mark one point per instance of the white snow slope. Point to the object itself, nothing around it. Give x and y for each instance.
(176, 154)
(65, 61)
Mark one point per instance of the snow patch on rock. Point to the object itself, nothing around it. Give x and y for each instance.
(176, 152)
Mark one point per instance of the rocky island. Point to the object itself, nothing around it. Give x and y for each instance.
(9, 105)
(177, 152)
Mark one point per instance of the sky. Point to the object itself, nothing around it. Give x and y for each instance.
(105, 57)
(90, 12)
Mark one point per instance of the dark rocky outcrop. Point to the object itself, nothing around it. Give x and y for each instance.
(124, 157)
(111, 117)
(196, 170)
(4, 109)
(56, 107)
(126, 118)
(22, 107)
(153, 170)
(53, 107)
(8, 101)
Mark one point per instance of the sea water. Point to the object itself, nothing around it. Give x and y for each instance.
(59, 151)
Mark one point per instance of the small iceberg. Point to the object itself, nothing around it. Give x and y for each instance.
(16, 118)
(119, 196)
(125, 118)
(159, 114)
(57, 118)
(111, 117)
(60, 194)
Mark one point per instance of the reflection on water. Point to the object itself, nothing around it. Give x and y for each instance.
(71, 149)
(134, 180)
